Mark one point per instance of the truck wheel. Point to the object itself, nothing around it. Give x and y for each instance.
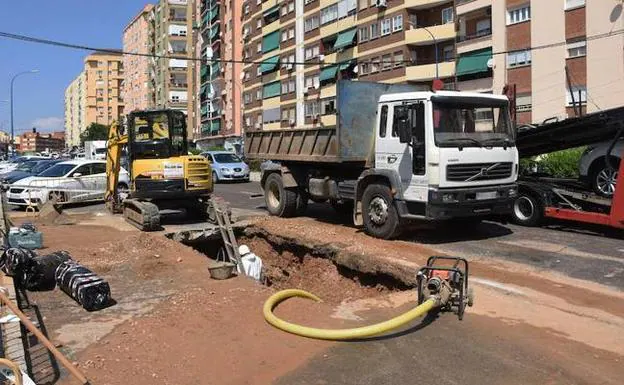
(280, 201)
(381, 219)
(527, 210)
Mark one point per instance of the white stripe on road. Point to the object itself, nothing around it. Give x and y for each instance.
(560, 249)
(497, 285)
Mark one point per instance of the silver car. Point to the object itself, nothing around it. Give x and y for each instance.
(593, 168)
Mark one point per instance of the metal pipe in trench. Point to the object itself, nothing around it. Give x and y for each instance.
(339, 334)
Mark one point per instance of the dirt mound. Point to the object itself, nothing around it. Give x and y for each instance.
(297, 269)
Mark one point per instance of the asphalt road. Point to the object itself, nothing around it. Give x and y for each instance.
(589, 253)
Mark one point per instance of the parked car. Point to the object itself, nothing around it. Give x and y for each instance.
(26, 169)
(11, 164)
(227, 166)
(70, 181)
(593, 168)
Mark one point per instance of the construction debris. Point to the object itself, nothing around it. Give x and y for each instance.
(83, 285)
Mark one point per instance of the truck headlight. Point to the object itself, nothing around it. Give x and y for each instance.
(513, 192)
(449, 197)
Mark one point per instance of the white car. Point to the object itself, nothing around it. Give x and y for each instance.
(70, 181)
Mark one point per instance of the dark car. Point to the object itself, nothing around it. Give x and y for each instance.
(28, 168)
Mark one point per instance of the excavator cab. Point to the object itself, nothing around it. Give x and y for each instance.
(164, 178)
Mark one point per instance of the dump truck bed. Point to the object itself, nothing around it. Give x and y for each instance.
(351, 140)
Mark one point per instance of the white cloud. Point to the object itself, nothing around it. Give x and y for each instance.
(52, 123)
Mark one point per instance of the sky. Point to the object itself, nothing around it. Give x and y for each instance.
(39, 98)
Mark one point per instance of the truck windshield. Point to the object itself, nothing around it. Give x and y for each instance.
(481, 123)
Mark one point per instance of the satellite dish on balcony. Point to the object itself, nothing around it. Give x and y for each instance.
(491, 63)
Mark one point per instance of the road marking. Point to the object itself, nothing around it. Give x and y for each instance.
(614, 272)
(497, 285)
(560, 249)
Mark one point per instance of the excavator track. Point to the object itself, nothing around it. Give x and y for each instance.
(143, 215)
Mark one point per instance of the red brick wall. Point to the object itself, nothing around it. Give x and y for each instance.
(524, 117)
(575, 23)
(519, 36)
(578, 70)
(521, 77)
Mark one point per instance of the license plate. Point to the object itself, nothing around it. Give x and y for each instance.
(486, 195)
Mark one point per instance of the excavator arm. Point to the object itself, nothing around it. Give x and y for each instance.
(114, 145)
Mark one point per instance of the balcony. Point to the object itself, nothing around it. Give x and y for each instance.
(424, 4)
(467, 6)
(424, 72)
(422, 36)
(482, 39)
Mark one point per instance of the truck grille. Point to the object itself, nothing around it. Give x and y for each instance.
(468, 172)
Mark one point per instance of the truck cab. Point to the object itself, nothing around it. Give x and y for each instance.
(453, 153)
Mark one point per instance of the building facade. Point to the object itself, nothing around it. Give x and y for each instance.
(37, 142)
(173, 75)
(541, 49)
(95, 95)
(138, 37)
(75, 109)
(220, 90)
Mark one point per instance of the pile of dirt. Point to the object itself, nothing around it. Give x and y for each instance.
(296, 268)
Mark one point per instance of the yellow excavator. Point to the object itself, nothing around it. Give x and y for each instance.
(164, 179)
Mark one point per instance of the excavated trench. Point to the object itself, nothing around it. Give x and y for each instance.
(288, 264)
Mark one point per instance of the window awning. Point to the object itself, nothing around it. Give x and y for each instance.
(215, 125)
(269, 65)
(474, 62)
(214, 12)
(214, 31)
(203, 89)
(271, 11)
(328, 73)
(270, 41)
(204, 70)
(271, 90)
(345, 38)
(346, 64)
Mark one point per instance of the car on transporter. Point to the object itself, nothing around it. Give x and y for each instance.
(595, 172)
(227, 165)
(68, 181)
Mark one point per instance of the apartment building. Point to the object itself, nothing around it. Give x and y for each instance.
(138, 37)
(94, 95)
(37, 142)
(541, 39)
(75, 109)
(221, 88)
(174, 77)
(371, 40)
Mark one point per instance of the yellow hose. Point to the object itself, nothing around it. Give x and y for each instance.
(338, 334)
(17, 373)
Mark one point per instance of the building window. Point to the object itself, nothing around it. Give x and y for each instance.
(448, 53)
(259, 48)
(577, 49)
(292, 85)
(374, 31)
(397, 23)
(284, 115)
(311, 23)
(291, 33)
(374, 65)
(246, 9)
(364, 68)
(258, 71)
(386, 61)
(484, 27)
(328, 106)
(518, 15)
(398, 59)
(524, 103)
(306, 2)
(312, 81)
(284, 36)
(518, 58)
(575, 90)
(385, 27)
(363, 4)
(329, 14)
(259, 94)
(247, 98)
(258, 23)
(284, 88)
(284, 10)
(363, 34)
(447, 15)
(291, 6)
(571, 4)
(311, 52)
(311, 109)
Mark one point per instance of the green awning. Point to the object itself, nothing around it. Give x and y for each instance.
(204, 70)
(269, 65)
(474, 62)
(214, 12)
(215, 125)
(271, 11)
(345, 38)
(271, 90)
(215, 68)
(328, 73)
(204, 110)
(270, 41)
(214, 31)
(203, 89)
(345, 64)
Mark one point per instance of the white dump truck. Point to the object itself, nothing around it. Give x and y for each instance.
(395, 155)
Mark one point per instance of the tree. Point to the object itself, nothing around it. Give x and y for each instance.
(95, 131)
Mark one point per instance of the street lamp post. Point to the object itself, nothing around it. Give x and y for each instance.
(11, 98)
(435, 47)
